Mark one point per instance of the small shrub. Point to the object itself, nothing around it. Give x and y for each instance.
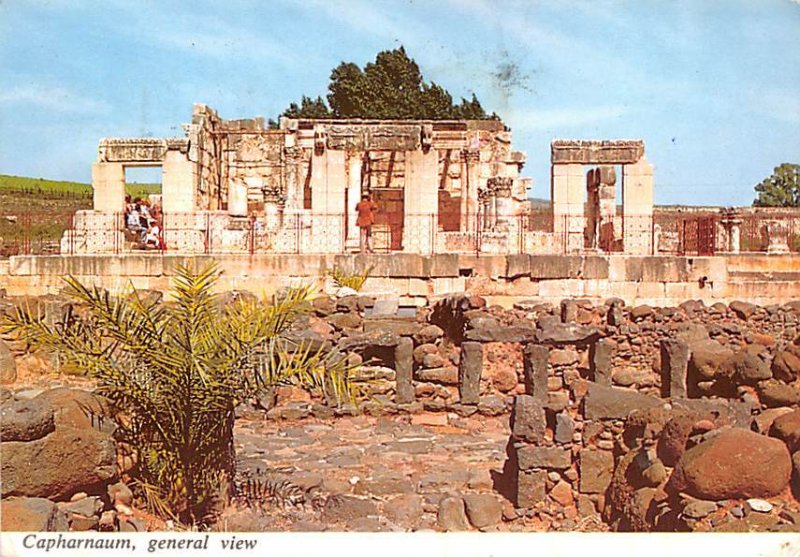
(356, 281)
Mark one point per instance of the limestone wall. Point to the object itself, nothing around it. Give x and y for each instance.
(414, 279)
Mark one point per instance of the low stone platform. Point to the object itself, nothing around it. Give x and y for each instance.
(416, 279)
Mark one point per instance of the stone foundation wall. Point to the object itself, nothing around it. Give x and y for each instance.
(653, 418)
(417, 279)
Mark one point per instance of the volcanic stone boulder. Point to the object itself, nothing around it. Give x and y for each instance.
(736, 463)
(452, 514)
(25, 420)
(32, 514)
(77, 408)
(747, 369)
(786, 366)
(483, 509)
(787, 429)
(774, 394)
(66, 461)
(708, 359)
(743, 310)
(603, 402)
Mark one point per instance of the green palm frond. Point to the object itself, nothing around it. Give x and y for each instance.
(174, 372)
(355, 280)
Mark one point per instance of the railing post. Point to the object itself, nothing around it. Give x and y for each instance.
(434, 230)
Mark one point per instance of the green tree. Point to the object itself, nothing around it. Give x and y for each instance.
(309, 108)
(391, 87)
(781, 189)
(174, 373)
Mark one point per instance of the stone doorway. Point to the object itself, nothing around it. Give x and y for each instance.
(144, 182)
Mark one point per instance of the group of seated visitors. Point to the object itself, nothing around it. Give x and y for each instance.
(143, 221)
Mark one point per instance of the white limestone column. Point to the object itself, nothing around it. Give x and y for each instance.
(421, 201)
(637, 207)
(354, 165)
(567, 200)
(108, 187)
(178, 179)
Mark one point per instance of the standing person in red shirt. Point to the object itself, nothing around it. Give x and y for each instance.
(366, 209)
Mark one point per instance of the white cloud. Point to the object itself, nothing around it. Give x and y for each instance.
(54, 98)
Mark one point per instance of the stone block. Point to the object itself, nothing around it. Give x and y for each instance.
(602, 402)
(486, 330)
(674, 366)
(555, 266)
(634, 269)
(528, 420)
(471, 366)
(518, 265)
(664, 269)
(535, 361)
(569, 311)
(601, 359)
(595, 267)
(567, 333)
(550, 458)
(404, 368)
(530, 487)
(441, 265)
(595, 469)
(565, 427)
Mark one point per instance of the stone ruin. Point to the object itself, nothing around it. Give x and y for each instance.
(623, 418)
(442, 186)
(584, 203)
(234, 185)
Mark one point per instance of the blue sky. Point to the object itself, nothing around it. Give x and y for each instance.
(713, 87)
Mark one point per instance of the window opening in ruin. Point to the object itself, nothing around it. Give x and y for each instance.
(143, 219)
(602, 209)
(143, 182)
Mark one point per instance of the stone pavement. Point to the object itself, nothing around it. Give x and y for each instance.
(392, 473)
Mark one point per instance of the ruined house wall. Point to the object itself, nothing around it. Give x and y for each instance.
(586, 441)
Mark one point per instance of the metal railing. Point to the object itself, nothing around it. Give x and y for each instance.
(663, 233)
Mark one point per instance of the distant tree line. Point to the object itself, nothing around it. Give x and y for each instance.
(390, 88)
(781, 189)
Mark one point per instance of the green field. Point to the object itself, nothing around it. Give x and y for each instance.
(37, 210)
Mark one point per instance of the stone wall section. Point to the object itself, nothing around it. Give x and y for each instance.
(636, 416)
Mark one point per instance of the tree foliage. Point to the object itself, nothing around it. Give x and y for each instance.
(174, 373)
(389, 88)
(781, 189)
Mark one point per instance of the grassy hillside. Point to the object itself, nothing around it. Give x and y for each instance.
(36, 211)
(21, 194)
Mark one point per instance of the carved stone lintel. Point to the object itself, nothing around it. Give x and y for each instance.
(144, 149)
(396, 137)
(625, 151)
(346, 138)
(500, 186)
